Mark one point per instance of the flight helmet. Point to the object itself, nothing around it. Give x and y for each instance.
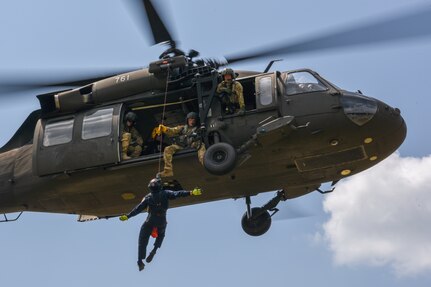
(155, 185)
(228, 71)
(131, 117)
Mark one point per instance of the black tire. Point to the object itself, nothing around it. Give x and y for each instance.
(220, 158)
(256, 226)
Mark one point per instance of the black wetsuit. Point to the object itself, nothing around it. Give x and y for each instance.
(158, 204)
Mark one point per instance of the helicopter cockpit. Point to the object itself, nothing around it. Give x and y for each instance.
(302, 82)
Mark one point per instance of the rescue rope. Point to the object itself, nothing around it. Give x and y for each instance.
(162, 121)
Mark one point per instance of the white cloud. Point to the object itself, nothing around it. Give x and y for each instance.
(383, 216)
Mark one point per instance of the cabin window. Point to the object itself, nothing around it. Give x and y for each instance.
(58, 132)
(97, 124)
(265, 91)
(302, 82)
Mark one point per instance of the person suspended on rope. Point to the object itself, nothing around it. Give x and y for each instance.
(131, 139)
(231, 93)
(186, 136)
(157, 202)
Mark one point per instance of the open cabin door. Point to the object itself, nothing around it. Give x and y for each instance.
(84, 140)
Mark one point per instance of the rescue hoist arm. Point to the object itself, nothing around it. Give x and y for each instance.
(204, 107)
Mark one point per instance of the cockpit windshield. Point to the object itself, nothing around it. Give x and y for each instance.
(302, 82)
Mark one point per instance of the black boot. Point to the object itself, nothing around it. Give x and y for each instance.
(141, 265)
(151, 255)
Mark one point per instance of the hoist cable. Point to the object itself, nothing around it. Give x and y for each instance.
(162, 121)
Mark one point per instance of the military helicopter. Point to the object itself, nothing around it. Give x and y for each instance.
(298, 131)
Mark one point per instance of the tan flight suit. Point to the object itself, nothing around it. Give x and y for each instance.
(234, 91)
(131, 142)
(185, 141)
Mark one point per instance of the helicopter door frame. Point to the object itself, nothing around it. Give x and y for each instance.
(266, 91)
(75, 142)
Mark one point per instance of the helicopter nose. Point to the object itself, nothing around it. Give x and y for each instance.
(382, 126)
(393, 127)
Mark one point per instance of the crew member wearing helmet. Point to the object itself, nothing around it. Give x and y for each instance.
(157, 202)
(231, 93)
(131, 140)
(186, 136)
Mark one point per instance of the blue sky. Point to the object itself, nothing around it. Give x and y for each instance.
(205, 244)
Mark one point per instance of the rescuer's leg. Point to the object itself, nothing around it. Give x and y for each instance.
(144, 236)
(125, 142)
(135, 151)
(157, 243)
(167, 157)
(201, 154)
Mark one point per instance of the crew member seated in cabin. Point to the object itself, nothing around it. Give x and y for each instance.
(131, 140)
(231, 93)
(186, 137)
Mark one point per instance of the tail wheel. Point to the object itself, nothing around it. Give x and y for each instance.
(256, 225)
(220, 158)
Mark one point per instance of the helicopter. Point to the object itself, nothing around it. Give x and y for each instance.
(298, 131)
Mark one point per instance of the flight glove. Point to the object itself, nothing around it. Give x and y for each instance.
(196, 191)
(158, 131)
(124, 217)
(162, 128)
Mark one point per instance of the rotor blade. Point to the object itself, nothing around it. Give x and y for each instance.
(148, 21)
(160, 32)
(67, 78)
(414, 24)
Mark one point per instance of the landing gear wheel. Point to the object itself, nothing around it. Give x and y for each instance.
(220, 158)
(256, 226)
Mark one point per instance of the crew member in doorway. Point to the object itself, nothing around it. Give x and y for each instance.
(157, 202)
(131, 140)
(186, 136)
(231, 93)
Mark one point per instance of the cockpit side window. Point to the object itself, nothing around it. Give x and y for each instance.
(58, 132)
(302, 82)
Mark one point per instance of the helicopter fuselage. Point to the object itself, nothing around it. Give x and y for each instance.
(298, 131)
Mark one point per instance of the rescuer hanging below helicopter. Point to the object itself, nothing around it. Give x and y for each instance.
(157, 202)
(131, 139)
(231, 93)
(183, 136)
